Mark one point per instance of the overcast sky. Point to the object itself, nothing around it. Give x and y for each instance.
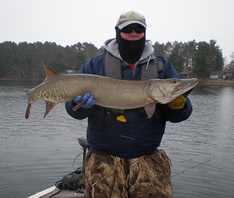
(68, 22)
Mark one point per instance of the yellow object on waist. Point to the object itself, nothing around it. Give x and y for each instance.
(121, 118)
(177, 103)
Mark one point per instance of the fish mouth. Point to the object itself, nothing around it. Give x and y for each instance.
(191, 84)
(179, 88)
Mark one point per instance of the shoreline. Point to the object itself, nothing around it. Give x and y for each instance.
(217, 82)
(20, 80)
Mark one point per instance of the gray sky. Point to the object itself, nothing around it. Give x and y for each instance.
(67, 22)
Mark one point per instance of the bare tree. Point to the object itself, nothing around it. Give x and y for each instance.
(232, 56)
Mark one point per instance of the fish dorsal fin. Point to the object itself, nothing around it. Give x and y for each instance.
(49, 72)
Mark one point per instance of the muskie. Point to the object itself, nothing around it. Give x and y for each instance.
(108, 92)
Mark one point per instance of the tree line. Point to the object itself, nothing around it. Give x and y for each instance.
(24, 60)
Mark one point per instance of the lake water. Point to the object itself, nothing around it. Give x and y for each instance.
(37, 152)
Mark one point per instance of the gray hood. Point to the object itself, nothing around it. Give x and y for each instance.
(112, 47)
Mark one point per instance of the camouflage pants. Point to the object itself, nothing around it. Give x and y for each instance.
(114, 177)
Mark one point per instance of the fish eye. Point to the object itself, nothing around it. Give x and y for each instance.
(175, 81)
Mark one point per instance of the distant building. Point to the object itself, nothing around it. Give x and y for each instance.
(217, 75)
(186, 74)
(230, 74)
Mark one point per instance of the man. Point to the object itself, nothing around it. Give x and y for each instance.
(124, 160)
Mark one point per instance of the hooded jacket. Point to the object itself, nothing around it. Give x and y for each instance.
(137, 136)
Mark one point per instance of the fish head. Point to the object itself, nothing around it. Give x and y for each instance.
(166, 90)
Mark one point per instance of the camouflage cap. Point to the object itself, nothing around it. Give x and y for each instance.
(130, 17)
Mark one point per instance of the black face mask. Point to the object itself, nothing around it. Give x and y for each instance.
(130, 51)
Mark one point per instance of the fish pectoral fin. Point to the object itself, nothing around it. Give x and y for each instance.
(49, 106)
(27, 111)
(150, 108)
(78, 106)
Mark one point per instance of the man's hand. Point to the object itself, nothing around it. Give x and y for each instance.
(86, 101)
(177, 103)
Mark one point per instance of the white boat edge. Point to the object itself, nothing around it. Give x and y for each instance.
(44, 192)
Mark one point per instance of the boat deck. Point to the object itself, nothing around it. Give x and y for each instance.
(64, 193)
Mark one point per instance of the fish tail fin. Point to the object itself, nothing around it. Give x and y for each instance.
(150, 108)
(29, 105)
(27, 111)
(49, 107)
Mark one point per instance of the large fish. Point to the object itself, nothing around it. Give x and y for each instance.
(108, 92)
